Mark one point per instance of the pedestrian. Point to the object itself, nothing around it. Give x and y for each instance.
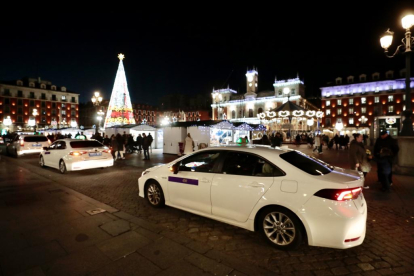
(297, 139)
(114, 146)
(317, 143)
(150, 141)
(384, 163)
(188, 144)
(385, 141)
(107, 141)
(358, 156)
(336, 140)
(347, 141)
(139, 142)
(265, 140)
(145, 146)
(121, 146)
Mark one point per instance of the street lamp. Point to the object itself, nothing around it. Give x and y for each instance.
(386, 40)
(7, 122)
(363, 119)
(34, 113)
(96, 100)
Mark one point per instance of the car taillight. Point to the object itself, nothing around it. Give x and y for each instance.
(77, 153)
(107, 151)
(339, 194)
(22, 143)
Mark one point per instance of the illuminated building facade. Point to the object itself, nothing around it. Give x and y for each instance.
(145, 113)
(365, 105)
(56, 107)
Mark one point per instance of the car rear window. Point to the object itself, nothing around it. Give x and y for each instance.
(306, 163)
(85, 144)
(35, 139)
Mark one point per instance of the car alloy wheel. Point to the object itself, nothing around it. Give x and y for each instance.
(154, 194)
(42, 162)
(62, 167)
(281, 228)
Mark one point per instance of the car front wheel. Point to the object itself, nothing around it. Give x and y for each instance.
(42, 162)
(62, 166)
(281, 228)
(154, 194)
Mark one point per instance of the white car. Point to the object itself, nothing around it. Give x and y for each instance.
(27, 144)
(284, 194)
(73, 155)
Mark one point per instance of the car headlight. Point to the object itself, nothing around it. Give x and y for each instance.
(144, 173)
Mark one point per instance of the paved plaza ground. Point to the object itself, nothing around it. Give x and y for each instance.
(92, 222)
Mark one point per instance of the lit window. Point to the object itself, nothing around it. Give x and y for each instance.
(363, 110)
(351, 110)
(339, 102)
(390, 108)
(351, 121)
(404, 97)
(376, 89)
(351, 101)
(390, 99)
(328, 112)
(376, 100)
(328, 103)
(339, 111)
(363, 100)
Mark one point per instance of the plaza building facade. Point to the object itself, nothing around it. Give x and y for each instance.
(248, 107)
(365, 104)
(31, 103)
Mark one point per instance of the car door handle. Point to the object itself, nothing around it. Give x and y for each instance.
(256, 185)
(204, 180)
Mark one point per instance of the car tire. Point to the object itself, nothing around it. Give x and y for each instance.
(154, 194)
(42, 162)
(62, 167)
(281, 227)
(15, 153)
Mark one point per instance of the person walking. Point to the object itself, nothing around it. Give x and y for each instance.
(114, 146)
(106, 141)
(150, 141)
(121, 146)
(188, 144)
(384, 162)
(139, 143)
(336, 140)
(359, 160)
(145, 146)
(385, 141)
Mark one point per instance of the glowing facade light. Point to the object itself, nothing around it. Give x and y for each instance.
(7, 121)
(407, 21)
(310, 122)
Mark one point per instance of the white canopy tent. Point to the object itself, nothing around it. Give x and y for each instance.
(157, 134)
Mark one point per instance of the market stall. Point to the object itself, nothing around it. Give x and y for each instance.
(157, 134)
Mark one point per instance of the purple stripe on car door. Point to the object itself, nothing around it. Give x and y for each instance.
(183, 180)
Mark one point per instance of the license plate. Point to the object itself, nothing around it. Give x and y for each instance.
(95, 154)
(36, 145)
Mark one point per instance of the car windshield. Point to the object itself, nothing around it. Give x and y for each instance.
(35, 138)
(85, 144)
(306, 163)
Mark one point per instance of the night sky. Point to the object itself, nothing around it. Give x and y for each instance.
(190, 53)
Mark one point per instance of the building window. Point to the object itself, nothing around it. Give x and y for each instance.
(363, 100)
(363, 110)
(43, 104)
(351, 101)
(63, 98)
(260, 110)
(6, 109)
(43, 112)
(53, 97)
(292, 92)
(73, 113)
(19, 102)
(73, 100)
(351, 110)
(63, 105)
(19, 93)
(19, 110)
(20, 119)
(6, 101)
(351, 121)
(43, 96)
(250, 112)
(376, 100)
(6, 92)
(233, 114)
(63, 112)
(53, 111)
(390, 99)
(390, 88)
(404, 97)
(339, 111)
(328, 112)
(43, 120)
(339, 102)
(376, 89)
(32, 96)
(280, 92)
(53, 105)
(32, 103)
(391, 108)
(328, 103)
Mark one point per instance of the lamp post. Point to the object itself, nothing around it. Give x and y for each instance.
(286, 91)
(34, 113)
(386, 40)
(96, 101)
(100, 115)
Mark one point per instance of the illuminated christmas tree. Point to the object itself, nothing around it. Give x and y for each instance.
(120, 107)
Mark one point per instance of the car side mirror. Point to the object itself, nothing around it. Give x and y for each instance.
(174, 168)
(45, 148)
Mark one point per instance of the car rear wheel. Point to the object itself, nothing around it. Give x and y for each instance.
(281, 228)
(62, 166)
(154, 194)
(42, 162)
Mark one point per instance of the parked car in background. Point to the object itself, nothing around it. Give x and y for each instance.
(27, 144)
(73, 155)
(284, 194)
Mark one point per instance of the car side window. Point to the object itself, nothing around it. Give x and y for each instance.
(240, 163)
(54, 145)
(61, 145)
(199, 162)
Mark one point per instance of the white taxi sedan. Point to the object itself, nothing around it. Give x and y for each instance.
(27, 144)
(284, 194)
(73, 155)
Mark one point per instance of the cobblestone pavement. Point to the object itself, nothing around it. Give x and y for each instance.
(388, 248)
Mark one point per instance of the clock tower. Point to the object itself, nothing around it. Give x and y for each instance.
(251, 83)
